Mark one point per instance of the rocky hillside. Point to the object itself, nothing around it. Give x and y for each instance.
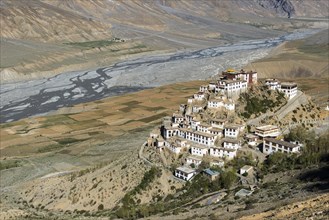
(40, 21)
(35, 34)
(56, 20)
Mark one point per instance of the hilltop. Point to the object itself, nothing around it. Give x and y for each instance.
(88, 161)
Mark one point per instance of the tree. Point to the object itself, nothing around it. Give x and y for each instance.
(227, 179)
(300, 134)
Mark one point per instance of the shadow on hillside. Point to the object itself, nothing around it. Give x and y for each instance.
(318, 179)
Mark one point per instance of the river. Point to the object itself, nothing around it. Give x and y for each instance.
(37, 97)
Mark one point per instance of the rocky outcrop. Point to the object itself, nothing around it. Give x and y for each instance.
(281, 7)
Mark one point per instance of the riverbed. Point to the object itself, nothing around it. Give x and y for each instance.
(25, 99)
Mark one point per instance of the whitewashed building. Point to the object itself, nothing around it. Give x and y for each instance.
(203, 88)
(246, 169)
(212, 86)
(251, 139)
(218, 123)
(159, 142)
(217, 162)
(271, 145)
(189, 118)
(199, 150)
(231, 143)
(200, 96)
(200, 137)
(273, 84)
(190, 100)
(197, 108)
(176, 145)
(168, 131)
(219, 102)
(289, 89)
(216, 131)
(231, 88)
(194, 124)
(178, 118)
(184, 173)
(222, 152)
(232, 130)
(182, 108)
(267, 131)
(193, 160)
(203, 127)
(250, 77)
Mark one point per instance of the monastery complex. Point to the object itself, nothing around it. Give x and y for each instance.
(206, 125)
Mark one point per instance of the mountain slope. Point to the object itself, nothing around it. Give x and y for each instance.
(56, 20)
(34, 34)
(43, 22)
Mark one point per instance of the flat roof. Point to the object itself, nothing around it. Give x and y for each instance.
(215, 129)
(229, 81)
(211, 172)
(246, 167)
(236, 126)
(216, 99)
(230, 140)
(219, 120)
(204, 124)
(204, 134)
(288, 84)
(193, 144)
(251, 136)
(283, 143)
(267, 127)
(175, 145)
(185, 169)
(224, 149)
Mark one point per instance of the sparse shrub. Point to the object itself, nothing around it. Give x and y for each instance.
(100, 207)
(195, 206)
(176, 212)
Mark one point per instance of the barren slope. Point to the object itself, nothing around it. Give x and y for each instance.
(300, 58)
(157, 25)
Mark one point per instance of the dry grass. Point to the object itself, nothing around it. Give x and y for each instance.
(99, 120)
(309, 209)
(299, 58)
